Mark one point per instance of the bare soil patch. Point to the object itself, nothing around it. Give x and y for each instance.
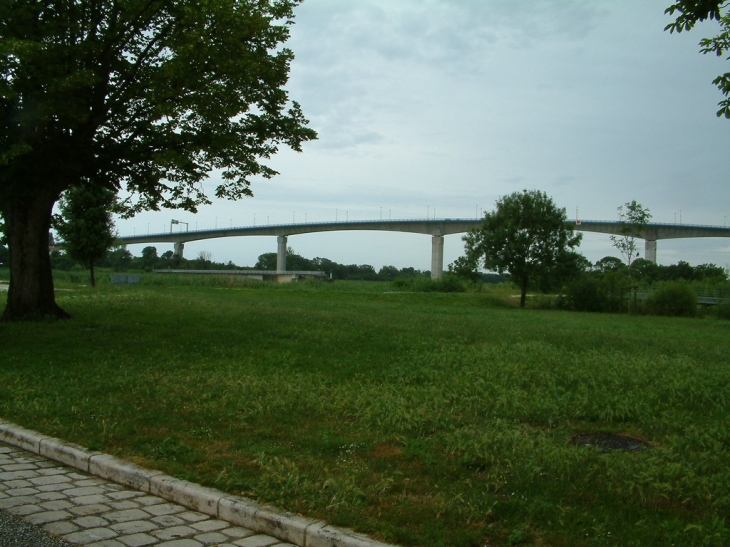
(606, 442)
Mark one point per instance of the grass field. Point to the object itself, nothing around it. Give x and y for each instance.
(419, 418)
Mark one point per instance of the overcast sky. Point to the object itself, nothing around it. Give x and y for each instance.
(441, 107)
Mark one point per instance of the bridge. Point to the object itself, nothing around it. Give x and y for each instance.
(436, 228)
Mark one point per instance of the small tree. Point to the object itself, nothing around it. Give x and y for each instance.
(86, 225)
(149, 256)
(266, 261)
(527, 235)
(120, 258)
(609, 264)
(633, 220)
(466, 268)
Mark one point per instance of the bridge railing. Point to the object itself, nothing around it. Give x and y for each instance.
(378, 221)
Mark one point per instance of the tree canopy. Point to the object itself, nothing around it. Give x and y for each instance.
(688, 14)
(144, 97)
(527, 236)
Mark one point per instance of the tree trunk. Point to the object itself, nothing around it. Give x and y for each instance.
(523, 293)
(30, 294)
(91, 273)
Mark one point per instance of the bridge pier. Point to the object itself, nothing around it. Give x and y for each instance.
(179, 247)
(437, 257)
(281, 254)
(650, 250)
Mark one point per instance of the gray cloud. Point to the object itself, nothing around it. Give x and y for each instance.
(450, 104)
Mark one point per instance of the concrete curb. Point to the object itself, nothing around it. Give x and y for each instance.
(236, 510)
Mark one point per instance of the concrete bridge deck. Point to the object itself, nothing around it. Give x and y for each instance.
(436, 228)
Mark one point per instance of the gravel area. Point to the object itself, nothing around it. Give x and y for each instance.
(17, 533)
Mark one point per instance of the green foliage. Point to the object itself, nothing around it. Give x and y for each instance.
(266, 261)
(85, 223)
(722, 310)
(527, 236)
(448, 283)
(119, 258)
(673, 298)
(144, 97)
(147, 92)
(633, 219)
(466, 267)
(149, 256)
(586, 294)
(690, 12)
(609, 264)
(362, 272)
(607, 286)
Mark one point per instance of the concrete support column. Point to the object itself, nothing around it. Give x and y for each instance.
(650, 250)
(437, 257)
(179, 247)
(281, 254)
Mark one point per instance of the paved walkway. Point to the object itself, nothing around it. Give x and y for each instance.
(85, 510)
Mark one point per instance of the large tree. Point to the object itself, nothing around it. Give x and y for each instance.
(688, 14)
(146, 97)
(85, 224)
(526, 235)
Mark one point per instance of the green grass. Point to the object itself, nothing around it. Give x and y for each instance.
(419, 418)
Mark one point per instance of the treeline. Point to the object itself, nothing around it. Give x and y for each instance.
(121, 259)
(354, 272)
(645, 287)
(647, 272)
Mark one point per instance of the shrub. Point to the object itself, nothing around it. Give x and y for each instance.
(674, 298)
(585, 294)
(449, 283)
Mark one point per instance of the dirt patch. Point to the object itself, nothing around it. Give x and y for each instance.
(386, 451)
(606, 442)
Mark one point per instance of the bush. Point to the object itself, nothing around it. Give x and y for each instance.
(674, 298)
(449, 283)
(585, 294)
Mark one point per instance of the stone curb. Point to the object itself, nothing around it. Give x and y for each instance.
(236, 510)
